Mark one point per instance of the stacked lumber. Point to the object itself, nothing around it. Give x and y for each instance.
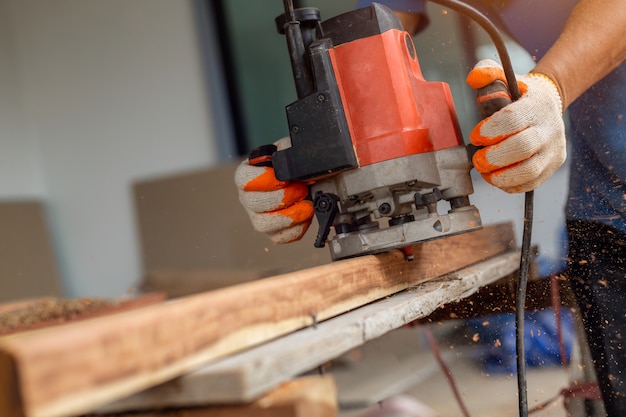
(77, 367)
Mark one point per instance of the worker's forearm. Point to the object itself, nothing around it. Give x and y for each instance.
(592, 44)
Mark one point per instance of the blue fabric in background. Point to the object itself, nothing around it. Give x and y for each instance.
(496, 339)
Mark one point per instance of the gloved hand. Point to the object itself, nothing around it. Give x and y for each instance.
(524, 142)
(276, 208)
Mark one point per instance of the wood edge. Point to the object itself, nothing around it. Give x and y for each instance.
(11, 403)
(8, 306)
(123, 305)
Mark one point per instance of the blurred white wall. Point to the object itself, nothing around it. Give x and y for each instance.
(21, 174)
(93, 96)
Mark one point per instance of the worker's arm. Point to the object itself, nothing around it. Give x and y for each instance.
(592, 43)
(524, 143)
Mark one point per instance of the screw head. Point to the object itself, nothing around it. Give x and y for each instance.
(384, 208)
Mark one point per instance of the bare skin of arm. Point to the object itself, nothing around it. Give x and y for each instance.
(592, 44)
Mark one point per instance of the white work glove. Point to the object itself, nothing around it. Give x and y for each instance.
(524, 142)
(276, 208)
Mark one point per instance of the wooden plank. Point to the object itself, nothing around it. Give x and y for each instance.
(9, 306)
(52, 311)
(309, 396)
(245, 376)
(76, 367)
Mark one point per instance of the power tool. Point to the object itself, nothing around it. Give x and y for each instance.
(381, 146)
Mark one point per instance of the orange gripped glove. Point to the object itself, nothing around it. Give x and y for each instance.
(276, 208)
(524, 142)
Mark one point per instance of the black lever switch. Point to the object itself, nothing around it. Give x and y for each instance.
(326, 208)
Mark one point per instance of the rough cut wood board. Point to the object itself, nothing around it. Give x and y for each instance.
(74, 368)
(9, 306)
(243, 377)
(47, 312)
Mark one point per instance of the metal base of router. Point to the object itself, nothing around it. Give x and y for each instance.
(378, 240)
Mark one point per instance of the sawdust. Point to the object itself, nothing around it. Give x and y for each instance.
(51, 311)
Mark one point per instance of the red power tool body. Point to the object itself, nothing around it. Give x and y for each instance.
(380, 145)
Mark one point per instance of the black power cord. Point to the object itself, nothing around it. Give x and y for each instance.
(520, 300)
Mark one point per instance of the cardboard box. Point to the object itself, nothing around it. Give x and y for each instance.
(28, 267)
(194, 231)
